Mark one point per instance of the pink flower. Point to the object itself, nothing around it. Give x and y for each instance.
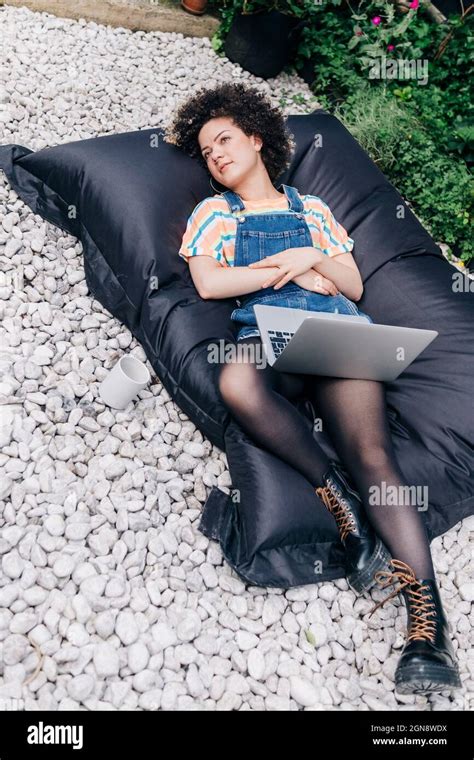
(376, 20)
(414, 4)
(390, 47)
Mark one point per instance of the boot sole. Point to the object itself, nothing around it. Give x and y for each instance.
(364, 579)
(435, 678)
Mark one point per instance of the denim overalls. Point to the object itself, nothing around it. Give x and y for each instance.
(261, 235)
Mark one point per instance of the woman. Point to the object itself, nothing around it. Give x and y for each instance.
(285, 249)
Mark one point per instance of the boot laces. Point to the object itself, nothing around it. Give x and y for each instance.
(334, 502)
(422, 627)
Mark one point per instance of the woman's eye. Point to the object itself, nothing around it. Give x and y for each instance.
(226, 137)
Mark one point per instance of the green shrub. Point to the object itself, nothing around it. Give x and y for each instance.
(420, 135)
(438, 187)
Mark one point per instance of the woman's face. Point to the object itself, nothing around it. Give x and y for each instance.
(221, 143)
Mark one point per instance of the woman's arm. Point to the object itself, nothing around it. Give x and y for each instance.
(316, 283)
(344, 273)
(212, 280)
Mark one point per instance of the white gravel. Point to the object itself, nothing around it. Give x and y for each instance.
(110, 598)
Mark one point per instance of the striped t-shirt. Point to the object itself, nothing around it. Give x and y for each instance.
(211, 229)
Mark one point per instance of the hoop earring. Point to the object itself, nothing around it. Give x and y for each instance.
(215, 189)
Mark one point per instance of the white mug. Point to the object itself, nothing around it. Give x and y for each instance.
(128, 376)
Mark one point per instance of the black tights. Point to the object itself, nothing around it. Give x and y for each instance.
(353, 412)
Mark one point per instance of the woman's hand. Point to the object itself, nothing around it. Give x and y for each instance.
(291, 263)
(316, 283)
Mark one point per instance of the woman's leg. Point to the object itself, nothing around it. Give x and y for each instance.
(354, 415)
(258, 399)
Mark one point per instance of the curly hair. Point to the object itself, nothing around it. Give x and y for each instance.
(249, 109)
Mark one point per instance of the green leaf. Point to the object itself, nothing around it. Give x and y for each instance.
(310, 638)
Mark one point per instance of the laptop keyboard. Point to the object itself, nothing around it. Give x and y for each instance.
(279, 340)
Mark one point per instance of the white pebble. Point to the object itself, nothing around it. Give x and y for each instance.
(302, 691)
(138, 657)
(80, 687)
(246, 640)
(12, 564)
(467, 591)
(54, 524)
(256, 664)
(126, 627)
(63, 566)
(106, 660)
(163, 635)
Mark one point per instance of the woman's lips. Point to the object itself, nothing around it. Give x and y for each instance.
(225, 166)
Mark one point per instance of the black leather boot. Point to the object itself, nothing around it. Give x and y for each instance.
(428, 662)
(365, 552)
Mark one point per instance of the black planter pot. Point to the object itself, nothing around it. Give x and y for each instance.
(448, 7)
(263, 43)
(308, 70)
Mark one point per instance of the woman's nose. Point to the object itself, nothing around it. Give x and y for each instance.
(217, 158)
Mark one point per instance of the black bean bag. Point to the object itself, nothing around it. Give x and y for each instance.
(128, 197)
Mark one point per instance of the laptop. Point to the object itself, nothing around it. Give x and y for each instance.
(337, 345)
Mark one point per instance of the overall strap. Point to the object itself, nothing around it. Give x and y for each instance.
(234, 201)
(294, 200)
